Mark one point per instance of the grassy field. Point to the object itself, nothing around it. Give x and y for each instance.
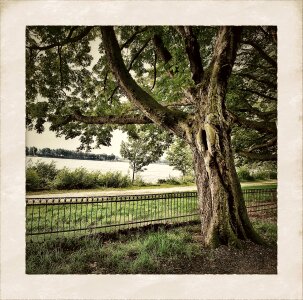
(268, 184)
(139, 250)
(173, 251)
(108, 214)
(88, 215)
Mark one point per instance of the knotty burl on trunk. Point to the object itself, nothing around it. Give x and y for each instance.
(224, 218)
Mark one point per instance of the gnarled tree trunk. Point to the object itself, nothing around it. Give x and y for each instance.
(224, 218)
(223, 213)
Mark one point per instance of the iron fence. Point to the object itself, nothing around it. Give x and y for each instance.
(77, 216)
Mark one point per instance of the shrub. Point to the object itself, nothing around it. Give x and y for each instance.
(139, 181)
(178, 180)
(113, 179)
(244, 174)
(79, 178)
(33, 181)
(40, 175)
(173, 180)
(273, 175)
(187, 179)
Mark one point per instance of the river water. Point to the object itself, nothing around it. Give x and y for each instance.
(152, 173)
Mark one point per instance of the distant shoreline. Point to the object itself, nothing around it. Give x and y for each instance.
(43, 156)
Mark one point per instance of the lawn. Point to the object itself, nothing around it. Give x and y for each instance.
(160, 249)
(94, 215)
(173, 251)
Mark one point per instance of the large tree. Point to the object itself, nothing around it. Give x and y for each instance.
(86, 81)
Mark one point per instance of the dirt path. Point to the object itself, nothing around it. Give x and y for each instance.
(117, 193)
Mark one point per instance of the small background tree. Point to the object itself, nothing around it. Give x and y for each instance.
(180, 157)
(143, 148)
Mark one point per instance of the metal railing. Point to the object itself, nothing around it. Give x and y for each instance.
(77, 216)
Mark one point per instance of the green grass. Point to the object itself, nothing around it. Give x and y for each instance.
(113, 213)
(150, 252)
(268, 184)
(268, 230)
(90, 216)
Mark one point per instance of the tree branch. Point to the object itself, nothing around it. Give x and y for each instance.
(269, 143)
(258, 93)
(162, 52)
(264, 81)
(60, 65)
(68, 40)
(153, 110)
(263, 54)
(265, 115)
(155, 71)
(111, 119)
(132, 38)
(258, 156)
(193, 52)
(138, 53)
(219, 70)
(261, 126)
(130, 66)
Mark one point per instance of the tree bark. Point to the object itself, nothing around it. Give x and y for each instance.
(223, 213)
(224, 218)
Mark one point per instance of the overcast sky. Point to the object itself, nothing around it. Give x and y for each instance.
(48, 139)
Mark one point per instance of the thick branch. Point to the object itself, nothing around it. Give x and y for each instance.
(258, 93)
(68, 40)
(162, 52)
(258, 156)
(264, 81)
(269, 143)
(219, 71)
(263, 54)
(153, 110)
(109, 119)
(130, 66)
(113, 119)
(261, 126)
(193, 52)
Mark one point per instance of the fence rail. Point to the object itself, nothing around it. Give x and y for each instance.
(76, 216)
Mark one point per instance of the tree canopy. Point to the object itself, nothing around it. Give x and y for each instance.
(70, 84)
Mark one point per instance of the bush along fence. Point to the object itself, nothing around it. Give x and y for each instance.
(79, 216)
